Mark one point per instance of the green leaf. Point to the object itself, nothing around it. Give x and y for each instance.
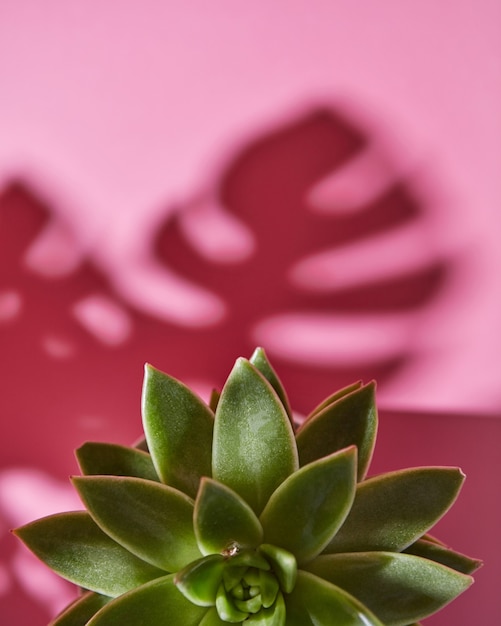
(269, 588)
(226, 608)
(222, 517)
(283, 564)
(316, 602)
(79, 612)
(108, 459)
(393, 510)
(214, 399)
(261, 363)
(77, 549)
(305, 512)
(441, 554)
(151, 520)
(335, 396)
(211, 618)
(348, 420)
(275, 615)
(178, 428)
(153, 604)
(254, 447)
(398, 588)
(199, 582)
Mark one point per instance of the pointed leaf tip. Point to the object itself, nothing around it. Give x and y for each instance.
(261, 362)
(392, 510)
(151, 520)
(398, 588)
(350, 418)
(222, 517)
(306, 511)
(74, 547)
(178, 426)
(254, 448)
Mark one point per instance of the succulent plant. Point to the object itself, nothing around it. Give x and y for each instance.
(229, 513)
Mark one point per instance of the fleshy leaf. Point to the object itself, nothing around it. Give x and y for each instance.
(211, 618)
(214, 399)
(398, 588)
(261, 363)
(199, 582)
(109, 459)
(333, 397)
(77, 549)
(269, 587)
(275, 615)
(79, 612)
(348, 420)
(441, 554)
(151, 604)
(305, 512)
(316, 602)
(227, 609)
(254, 446)
(283, 564)
(393, 510)
(222, 517)
(151, 520)
(178, 428)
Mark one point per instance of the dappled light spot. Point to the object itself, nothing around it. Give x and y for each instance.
(27, 493)
(53, 253)
(104, 318)
(215, 233)
(335, 340)
(58, 347)
(10, 305)
(41, 583)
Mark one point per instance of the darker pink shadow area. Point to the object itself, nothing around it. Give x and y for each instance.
(73, 348)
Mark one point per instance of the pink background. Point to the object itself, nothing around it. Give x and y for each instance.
(129, 124)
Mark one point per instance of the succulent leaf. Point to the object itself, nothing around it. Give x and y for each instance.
(77, 549)
(225, 498)
(284, 565)
(441, 554)
(211, 618)
(350, 419)
(178, 428)
(269, 587)
(113, 460)
(150, 604)
(316, 602)
(261, 363)
(222, 517)
(335, 396)
(199, 582)
(305, 512)
(275, 615)
(393, 510)
(254, 448)
(226, 608)
(79, 612)
(151, 520)
(214, 399)
(398, 588)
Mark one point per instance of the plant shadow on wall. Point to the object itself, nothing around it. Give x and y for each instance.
(310, 252)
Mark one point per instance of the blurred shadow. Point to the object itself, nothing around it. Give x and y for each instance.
(274, 240)
(311, 264)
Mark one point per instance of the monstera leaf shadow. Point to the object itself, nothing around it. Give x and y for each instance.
(334, 291)
(270, 240)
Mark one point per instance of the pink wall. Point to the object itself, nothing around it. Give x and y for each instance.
(113, 112)
(182, 181)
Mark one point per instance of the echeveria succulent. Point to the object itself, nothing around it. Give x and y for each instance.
(228, 513)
